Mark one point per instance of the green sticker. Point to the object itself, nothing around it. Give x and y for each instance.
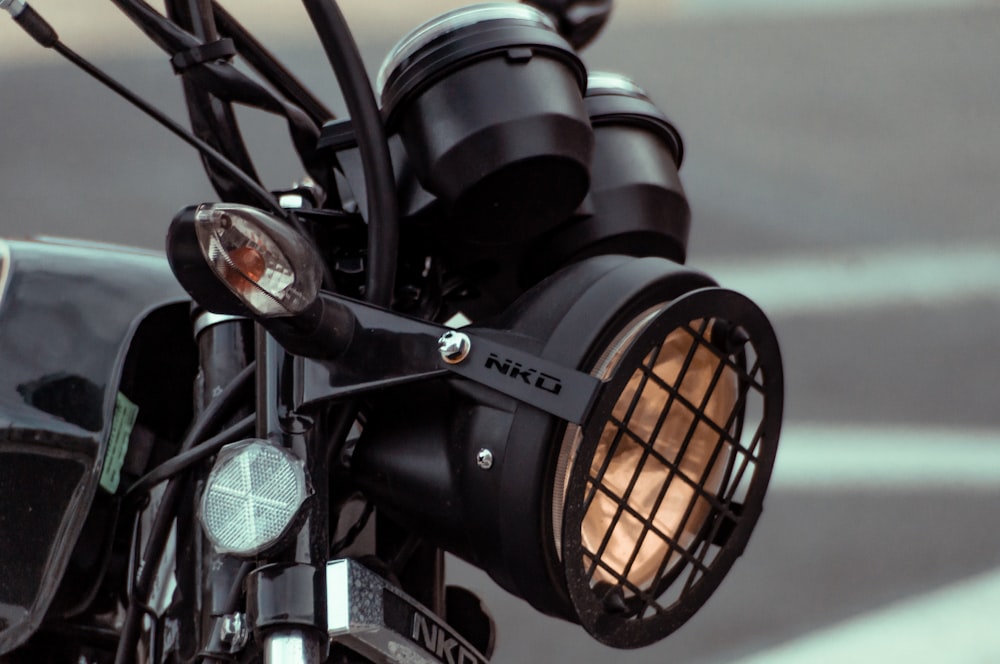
(121, 431)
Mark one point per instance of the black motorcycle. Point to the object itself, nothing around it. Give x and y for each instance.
(466, 329)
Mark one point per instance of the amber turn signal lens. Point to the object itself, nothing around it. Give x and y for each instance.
(247, 265)
(265, 263)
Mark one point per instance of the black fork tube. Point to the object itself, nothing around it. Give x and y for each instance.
(287, 598)
(222, 349)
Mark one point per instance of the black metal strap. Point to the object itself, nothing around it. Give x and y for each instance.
(222, 49)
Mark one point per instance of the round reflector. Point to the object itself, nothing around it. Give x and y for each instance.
(252, 497)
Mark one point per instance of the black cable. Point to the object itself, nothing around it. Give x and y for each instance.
(162, 32)
(230, 85)
(268, 66)
(181, 462)
(212, 120)
(383, 206)
(229, 606)
(220, 409)
(233, 598)
(263, 196)
(223, 80)
(143, 585)
(36, 26)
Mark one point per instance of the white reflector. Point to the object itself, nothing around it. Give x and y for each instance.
(252, 497)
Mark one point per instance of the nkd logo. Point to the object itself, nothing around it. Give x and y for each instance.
(436, 640)
(511, 369)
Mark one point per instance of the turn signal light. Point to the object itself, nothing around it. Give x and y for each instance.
(259, 258)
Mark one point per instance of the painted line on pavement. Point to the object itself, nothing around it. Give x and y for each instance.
(955, 624)
(886, 458)
(928, 276)
(698, 8)
(98, 29)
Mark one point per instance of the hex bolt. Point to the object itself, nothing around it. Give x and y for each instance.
(454, 346)
(485, 459)
(234, 631)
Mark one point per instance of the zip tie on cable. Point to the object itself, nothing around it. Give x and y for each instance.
(222, 49)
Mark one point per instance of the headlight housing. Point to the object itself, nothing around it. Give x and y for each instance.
(628, 521)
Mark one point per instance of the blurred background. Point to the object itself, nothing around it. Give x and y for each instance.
(842, 164)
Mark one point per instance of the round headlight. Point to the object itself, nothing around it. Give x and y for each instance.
(653, 465)
(488, 102)
(252, 497)
(658, 492)
(627, 521)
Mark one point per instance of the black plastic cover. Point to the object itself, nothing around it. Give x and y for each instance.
(68, 311)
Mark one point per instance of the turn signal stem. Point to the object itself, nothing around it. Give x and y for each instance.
(323, 331)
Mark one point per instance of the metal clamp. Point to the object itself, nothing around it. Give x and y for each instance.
(14, 7)
(221, 49)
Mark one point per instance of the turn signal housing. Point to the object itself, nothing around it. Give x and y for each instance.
(626, 521)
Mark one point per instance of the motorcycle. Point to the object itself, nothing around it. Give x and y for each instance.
(468, 328)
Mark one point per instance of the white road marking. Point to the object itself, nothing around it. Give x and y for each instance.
(803, 285)
(98, 29)
(685, 8)
(886, 458)
(957, 625)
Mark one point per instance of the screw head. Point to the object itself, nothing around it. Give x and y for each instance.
(484, 459)
(454, 346)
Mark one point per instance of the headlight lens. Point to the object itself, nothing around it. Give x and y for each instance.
(659, 456)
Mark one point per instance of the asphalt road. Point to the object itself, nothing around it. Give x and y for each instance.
(843, 169)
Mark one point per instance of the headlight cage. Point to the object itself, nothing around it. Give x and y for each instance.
(621, 612)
